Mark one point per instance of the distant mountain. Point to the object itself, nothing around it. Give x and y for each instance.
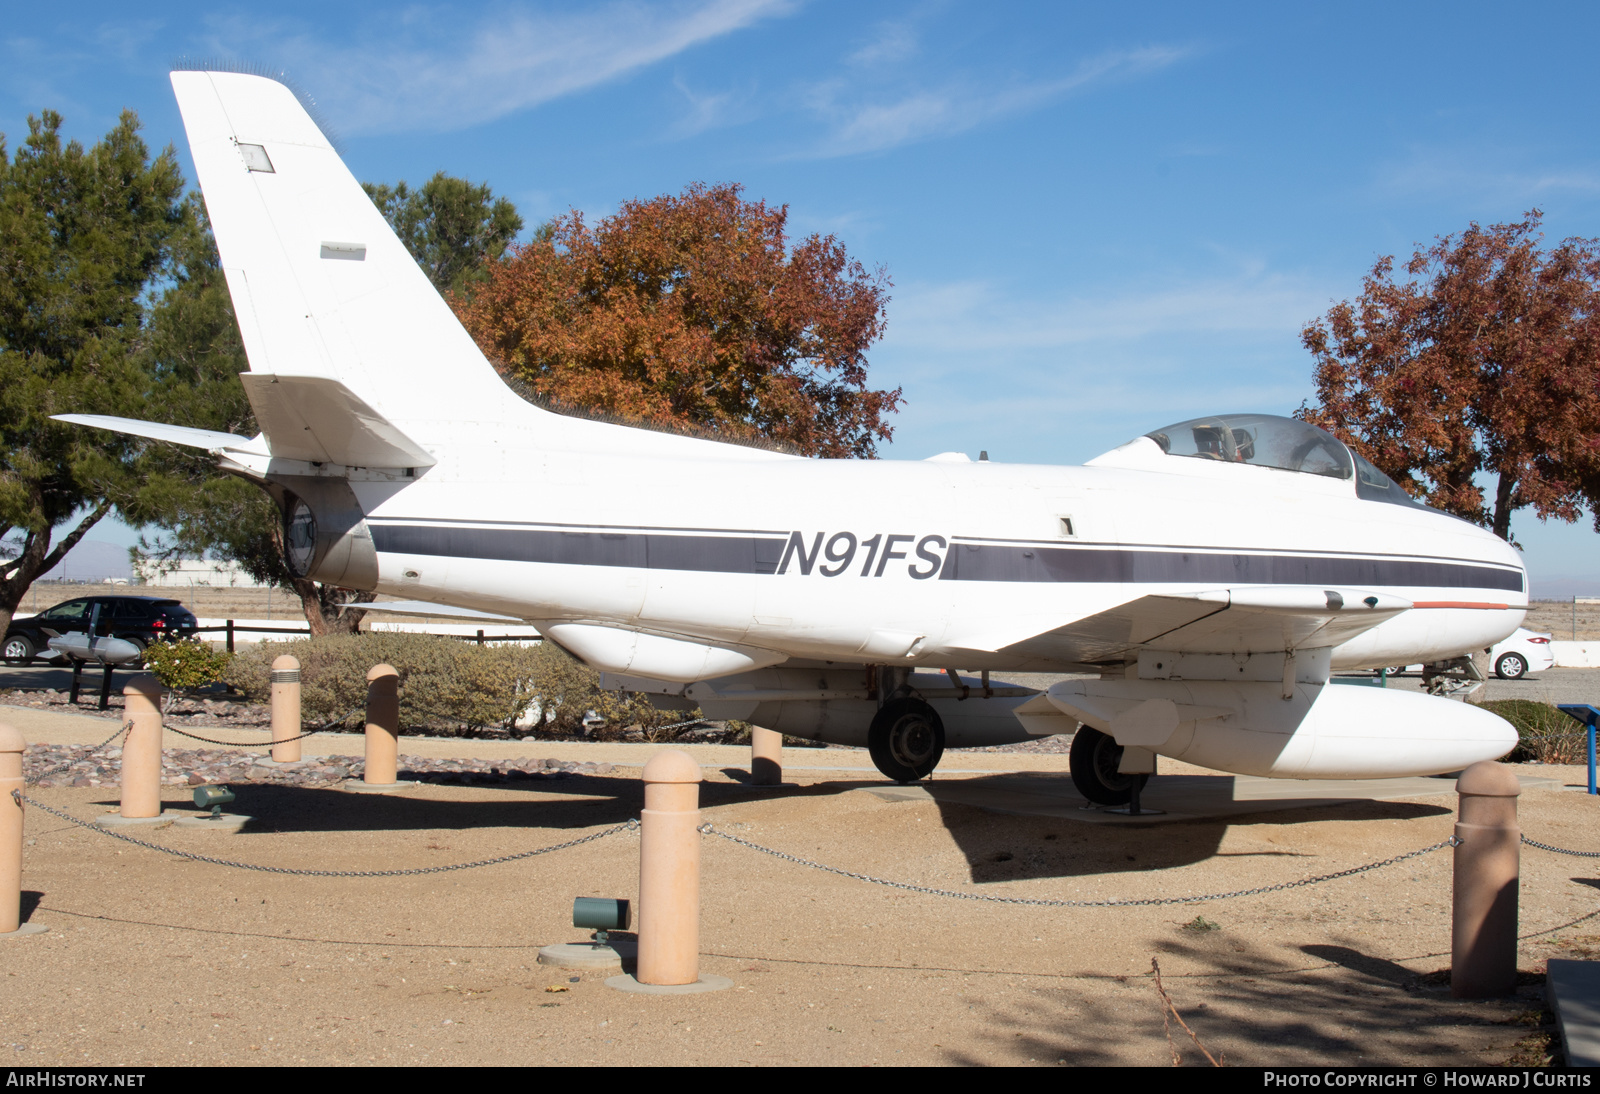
(1564, 586)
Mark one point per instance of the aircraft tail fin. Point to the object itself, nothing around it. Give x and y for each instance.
(321, 285)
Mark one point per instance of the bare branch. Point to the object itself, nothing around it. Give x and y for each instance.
(1166, 1008)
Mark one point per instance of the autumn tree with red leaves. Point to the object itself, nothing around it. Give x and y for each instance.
(693, 309)
(1482, 360)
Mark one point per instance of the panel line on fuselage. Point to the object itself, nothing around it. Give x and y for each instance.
(569, 526)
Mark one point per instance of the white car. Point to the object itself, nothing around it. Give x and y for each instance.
(1524, 652)
(1511, 659)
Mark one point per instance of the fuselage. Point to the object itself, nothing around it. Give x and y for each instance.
(909, 562)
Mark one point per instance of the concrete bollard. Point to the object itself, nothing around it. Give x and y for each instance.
(383, 726)
(1483, 930)
(669, 871)
(766, 757)
(141, 749)
(286, 721)
(12, 746)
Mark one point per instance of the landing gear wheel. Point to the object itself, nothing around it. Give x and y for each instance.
(1094, 760)
(1509, 666)
(906, 740)
(19, 650)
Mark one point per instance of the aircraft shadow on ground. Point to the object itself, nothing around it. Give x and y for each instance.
(580, 802)
(1005, 844)
(1011, 846)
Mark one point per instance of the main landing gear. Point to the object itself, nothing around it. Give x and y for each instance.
(1094, 759)
(906, 739)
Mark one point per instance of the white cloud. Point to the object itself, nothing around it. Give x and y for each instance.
(895, 42)
(858, 126)
(1484, 176)
(981, 316)
(421, 70)
(710, 110)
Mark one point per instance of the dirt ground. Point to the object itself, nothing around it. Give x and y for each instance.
(155, 960)
(1564, 621)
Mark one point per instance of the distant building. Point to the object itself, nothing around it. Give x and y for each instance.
(190, 573)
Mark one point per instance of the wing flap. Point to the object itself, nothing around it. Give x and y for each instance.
(1230, 621)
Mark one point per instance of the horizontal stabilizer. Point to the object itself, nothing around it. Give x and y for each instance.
(208, 439)
(319, 420)
(437, 611)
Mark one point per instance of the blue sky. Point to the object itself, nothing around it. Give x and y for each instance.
(1097, 219)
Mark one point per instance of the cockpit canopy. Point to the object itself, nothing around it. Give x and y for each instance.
(1288, 444)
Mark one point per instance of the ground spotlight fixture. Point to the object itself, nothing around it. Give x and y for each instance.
(212, 798)
(601, 915)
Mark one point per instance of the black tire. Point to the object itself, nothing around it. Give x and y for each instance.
(20, 650)
(1511, 666)
(1094, 761)
(906, 740)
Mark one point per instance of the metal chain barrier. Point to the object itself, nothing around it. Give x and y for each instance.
(323, 728)
(1047, 903)
(32, 779)
(1559, 850)
(625, 826)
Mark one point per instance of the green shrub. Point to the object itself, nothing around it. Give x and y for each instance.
(187, 664)
(1545, 735)
(446, 684)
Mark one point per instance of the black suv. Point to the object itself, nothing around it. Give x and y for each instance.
(138, 619)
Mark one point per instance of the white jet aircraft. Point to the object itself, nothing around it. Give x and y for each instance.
(1203, 581)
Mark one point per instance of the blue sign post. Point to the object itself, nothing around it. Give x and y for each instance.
(1586, 714)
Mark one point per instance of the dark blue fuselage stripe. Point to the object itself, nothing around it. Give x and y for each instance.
(985, 562)
(964, 561)
(643, 551)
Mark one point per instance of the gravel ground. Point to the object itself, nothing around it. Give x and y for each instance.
(87, 766)
(153, 959)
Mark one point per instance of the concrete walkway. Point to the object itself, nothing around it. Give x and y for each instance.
(1574, 991)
